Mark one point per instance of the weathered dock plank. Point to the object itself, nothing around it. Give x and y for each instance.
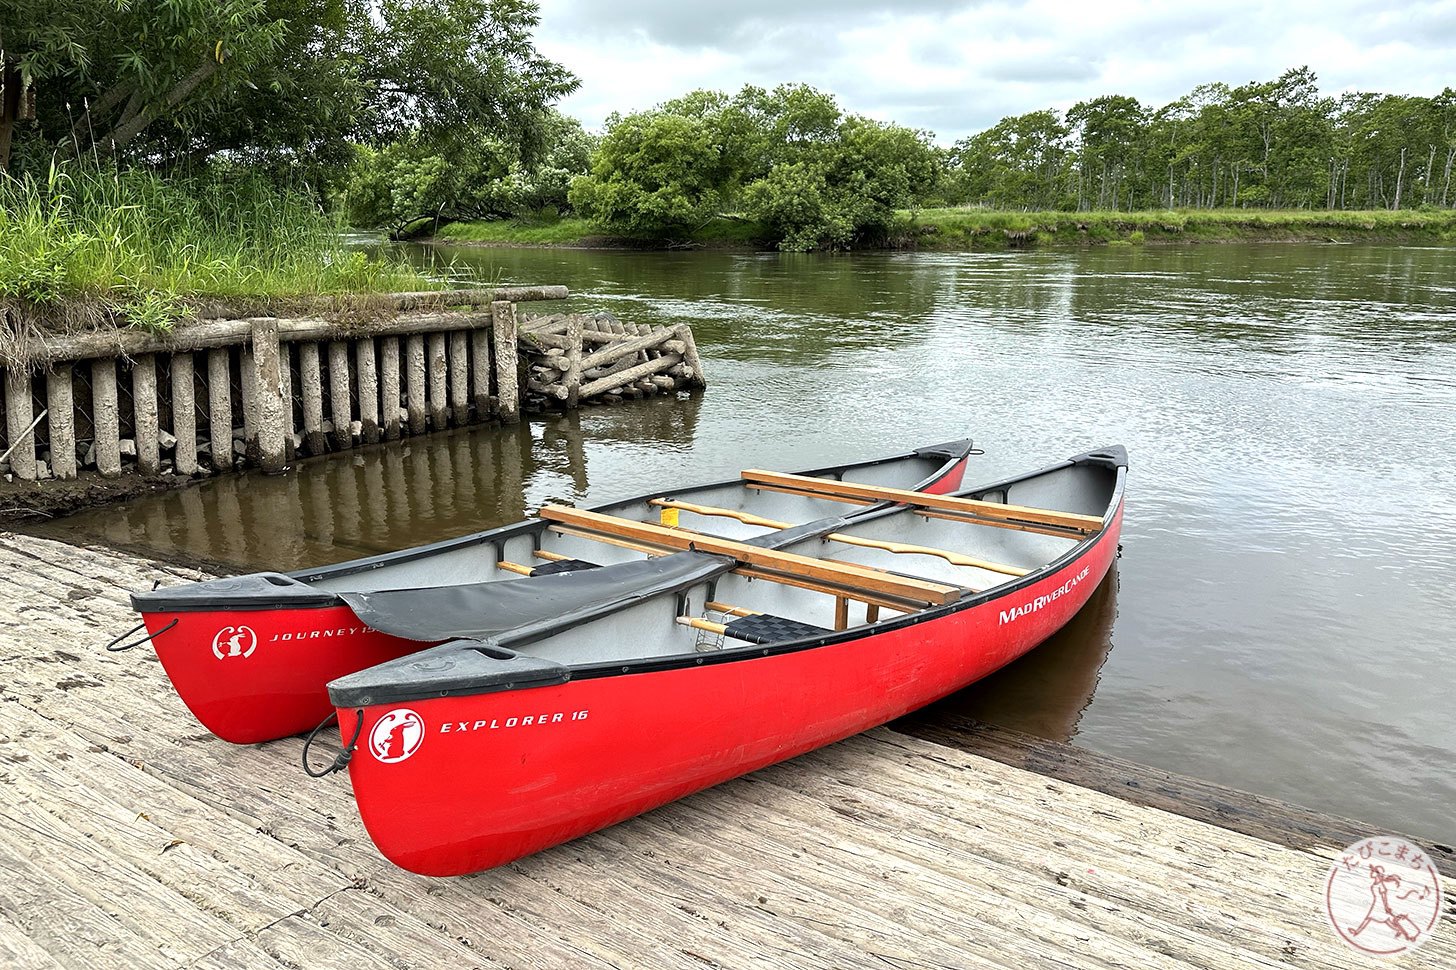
(1256, 815)
(131, 837)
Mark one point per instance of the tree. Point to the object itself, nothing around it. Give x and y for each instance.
(473, 176)
(132, 62)
(168, 81)
(788, 158)
(1109, 132)
(1018, 163)
(848, 189)
(655, 172)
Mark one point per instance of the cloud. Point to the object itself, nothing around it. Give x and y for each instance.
(958, 66)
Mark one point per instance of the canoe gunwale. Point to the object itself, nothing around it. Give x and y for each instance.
(291, 590)
(345, 696)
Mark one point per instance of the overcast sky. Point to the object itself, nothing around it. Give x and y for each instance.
(958, 66)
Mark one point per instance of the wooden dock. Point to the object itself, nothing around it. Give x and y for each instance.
(129, 837)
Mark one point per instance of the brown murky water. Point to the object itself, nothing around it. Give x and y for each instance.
(1281, 618)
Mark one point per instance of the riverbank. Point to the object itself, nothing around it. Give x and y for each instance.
(960, 229)
(576, 233)
(956, 230)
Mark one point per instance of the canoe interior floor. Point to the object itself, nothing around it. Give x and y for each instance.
(129, 837)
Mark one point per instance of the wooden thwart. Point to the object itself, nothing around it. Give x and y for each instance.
(901, 548)
(874, 600)
(991, 510)
(729, 609)
(854, 577)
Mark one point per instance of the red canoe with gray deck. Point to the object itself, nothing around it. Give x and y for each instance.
(635, 684)
(250, 655)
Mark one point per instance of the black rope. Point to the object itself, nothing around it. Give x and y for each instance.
(342, 759)
(112, 647)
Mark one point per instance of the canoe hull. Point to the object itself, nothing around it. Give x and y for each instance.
(453, 785)
(253, 676)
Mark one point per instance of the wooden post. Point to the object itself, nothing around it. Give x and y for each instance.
(247, 383)
(184, 414)
(313, 398)
(19, 413)
(248, 395)
(368, 390)
(690, 355)
(480, 371)
(274, 411)
(503, 318)
(144, 408)
(389, 386)
(220, 409)
(106, 417)
(438, 379)
(60, 403)
(285, 391)
(573, 360)
(459, 377)
(414, 381)
(339, 405)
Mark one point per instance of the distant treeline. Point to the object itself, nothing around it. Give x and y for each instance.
(815, 177)
(1271, 144)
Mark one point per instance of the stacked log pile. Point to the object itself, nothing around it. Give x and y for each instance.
(575, 358)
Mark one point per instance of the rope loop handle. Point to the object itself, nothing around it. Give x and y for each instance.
(112, 644)
(342, 759)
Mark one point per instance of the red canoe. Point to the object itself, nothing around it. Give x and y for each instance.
(250, 655)
(643, 682)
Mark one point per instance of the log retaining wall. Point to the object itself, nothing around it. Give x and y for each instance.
(221, 393)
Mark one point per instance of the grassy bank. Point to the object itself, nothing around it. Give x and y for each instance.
(83, 245)
(988, 229)
(719, 233)
(961, 229)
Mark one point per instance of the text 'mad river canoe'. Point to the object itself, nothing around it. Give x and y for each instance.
(616, 689)
(250, 655)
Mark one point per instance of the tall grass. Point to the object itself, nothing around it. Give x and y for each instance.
(145, 246)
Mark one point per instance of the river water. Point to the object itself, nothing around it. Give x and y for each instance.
(1281, 616)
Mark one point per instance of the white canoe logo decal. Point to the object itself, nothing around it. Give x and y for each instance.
(234, 641)
(396, 735)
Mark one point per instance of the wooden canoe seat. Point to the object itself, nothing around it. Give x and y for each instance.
(845, 576)
(991, 513)
(901, 548)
